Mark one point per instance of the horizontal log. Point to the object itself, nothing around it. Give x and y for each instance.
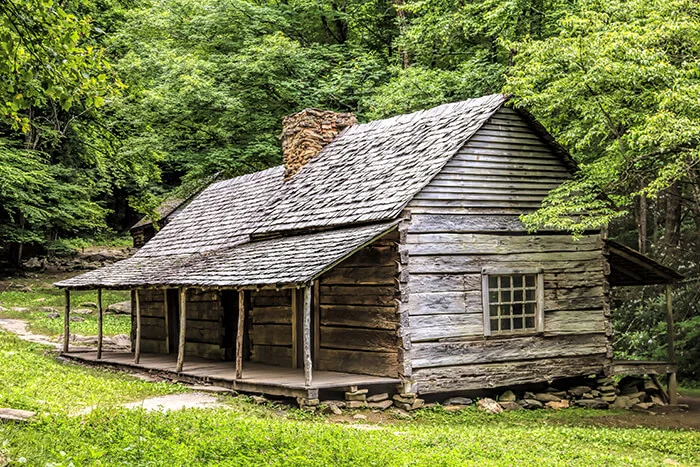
(468, 301)
(437, 354)
(352, 361)
(383, 275)
(272, 355)
(510, 132)
(467, 206)
(374, 340)
(209, 332)
(373, 255)
(153, 345)
(468, 179)
(381, 300)
(532, 157)
(475, 210)
(152, 309)
(494, 375)
(468, 199)
(211, 311)
(198, 295)
(525, 141)
(271, 334)
(281, 298)
(466, 223)
(450, 190)
(553, 262)
(272, 315)
(150, 295)
(419, 283)
(433, 327)
(575, 322)
(203, 350)
(373, 318)
(456, 243)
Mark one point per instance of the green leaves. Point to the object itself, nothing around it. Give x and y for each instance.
(619, 87)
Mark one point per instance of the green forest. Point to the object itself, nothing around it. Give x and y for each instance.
(108, 107)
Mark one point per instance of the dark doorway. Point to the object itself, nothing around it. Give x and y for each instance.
(173, 320)
(229, 302)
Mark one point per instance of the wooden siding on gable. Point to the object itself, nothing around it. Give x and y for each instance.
(466, 219)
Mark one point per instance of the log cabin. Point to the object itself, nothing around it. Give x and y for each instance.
(383, 253)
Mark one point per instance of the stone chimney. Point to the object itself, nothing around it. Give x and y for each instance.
(306, 133)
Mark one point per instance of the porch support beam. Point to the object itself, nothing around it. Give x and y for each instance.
(183, 329)
(137, 348)
(240, 332)
(100, 318)
(306, 335)
(66, 322)
(670, 335)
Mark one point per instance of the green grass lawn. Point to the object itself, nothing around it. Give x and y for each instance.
(43, 295)
(248, 434)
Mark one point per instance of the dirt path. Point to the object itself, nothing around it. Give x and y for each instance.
(19, 327)
(186, 400)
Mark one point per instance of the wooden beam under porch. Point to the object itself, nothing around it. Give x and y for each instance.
(257, 378)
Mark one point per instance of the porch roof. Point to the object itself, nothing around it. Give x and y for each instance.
(630, 267)
(279, 261)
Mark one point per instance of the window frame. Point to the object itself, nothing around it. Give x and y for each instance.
(539, 298)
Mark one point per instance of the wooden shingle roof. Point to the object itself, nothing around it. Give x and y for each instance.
(285, 260)
(366, 175)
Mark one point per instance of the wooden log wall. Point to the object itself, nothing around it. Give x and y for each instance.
(204, 334)
(467, 219)
(358, 312)
(152, 321)
(271, 327)
(205, 328)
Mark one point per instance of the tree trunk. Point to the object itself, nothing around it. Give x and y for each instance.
(641, 218)
(402, 24)
(672, 226)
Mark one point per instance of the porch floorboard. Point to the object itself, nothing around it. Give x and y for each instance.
(256, 378)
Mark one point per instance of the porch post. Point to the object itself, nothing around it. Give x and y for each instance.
(240, 329)
(183, 328)
(295, 334)
(99, 323)
(137, 350)
(670, 334)
(306, 335)
(66, 322)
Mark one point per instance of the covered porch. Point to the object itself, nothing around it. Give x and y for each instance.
(628, 267)
(287, 316)
(255, 377)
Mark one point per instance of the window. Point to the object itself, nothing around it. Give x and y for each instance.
(513, 301)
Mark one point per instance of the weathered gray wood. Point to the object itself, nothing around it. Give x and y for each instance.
(353, 361)
(204, 350)
(272, 355)
(381, 275)
(539, 317)
(670, 335)
(316, 335)
(205, 310)
(66, 321)
(272, 315)
(421, 244)
(240, 332)
(641, 367)
(100, 324)
(272, 334)
(139, 329)
(295, 333)
(306, 337)
(492, 375)
(183, 329)
(465, 223)
(432, 327)
(574, 322)
(167, 321)
(445, 302)
(380, 340)
(153, 346)
(439, 282)
(553, 262)
(439, 354)
(348, 316)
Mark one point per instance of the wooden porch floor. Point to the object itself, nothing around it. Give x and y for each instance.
(257, 378)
